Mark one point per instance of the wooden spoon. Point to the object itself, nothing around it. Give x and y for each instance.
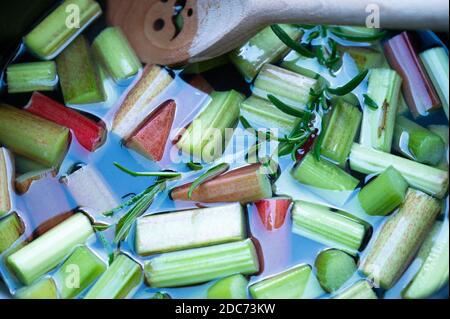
(213, 27)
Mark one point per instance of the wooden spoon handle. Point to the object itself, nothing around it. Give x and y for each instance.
(393, 14)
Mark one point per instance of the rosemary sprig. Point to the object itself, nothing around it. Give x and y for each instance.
(246, 124)
(194, 166)
(108, 248)
(289, 110)
(208, 175)
(147, 174)
(350, 86)
(126, 222)
(286, 39)
(370, 102)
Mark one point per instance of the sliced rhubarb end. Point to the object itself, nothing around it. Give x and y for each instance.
(273, 212)
(24, 182)
(89, 134)
(200, 83)
(150, 139)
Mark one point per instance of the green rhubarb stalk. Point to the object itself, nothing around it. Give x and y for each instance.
(362, 290)
(433, 256)
(358, 34)
(43, 289)
(233, 287)
(174, 231)
(400, 238)
(417, 143)
(378, 124)
(11, 228)
(323, 175)
(431, 180)
(340, 133)
(296, 283)
(302, 65)
(321, 224)
(60, 27)
(263, 48)
(33, 76)
(79, 271)
(195, 266)
(436, 63)
(79, 78)
(5, 187)
(119, 281)
(334, 269)
(114, 51)
(46, 252)
(384, 194)
(205, 138)
(24, 181)
(33, 137)
(205, 66)
(365, 58)
(443, 133)
(263, 115)
(23, 165)
(291, 88)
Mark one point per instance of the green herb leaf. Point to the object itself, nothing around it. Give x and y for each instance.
(246, 124)
(370, 102)
(286, 39)
(148, 174)
(106, 245)
(350, 86)
(210, 174)
(101, 227)
(356, 38)
(194, 166)
(126, 222)
(318, 144)
(285, 108)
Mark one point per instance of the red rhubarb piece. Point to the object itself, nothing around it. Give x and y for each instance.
(151, 137)
(417, 87)
(273, 212)
(88, 133)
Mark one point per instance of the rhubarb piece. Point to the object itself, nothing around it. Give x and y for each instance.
(200, 83)
(340, 132)
(119, 281)
(296, 283)
(88, 133)
(151, 137)
(303, 65)
(361, 290)
(384, 194)
(233, 287)
(417, 143)
(23, 165)
(46, 252)
(206, 137)
(11, 228)
(403, 234)
(378, 124)
(200, 265)
(273, 212)
(138, 105)
(358, 34)
(33, 76)
(116, 54)
(263, 115)
(289, 87)
(325, 179)
(78, 272)
(428, 179)
(205, 66)
(263, 48)
(43, 289)
(168, 232)
(57, 30)
(334, 268)
(436, 63)
(90, 190)
(365, 58)
(5, 184)
(24, 181)
(245, 185)
(321, 224)
(433, 258)
(443, 133)
(33, 137)
(79, 78)
(417, 87)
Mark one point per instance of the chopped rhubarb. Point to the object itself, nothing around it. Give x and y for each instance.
(273, 212)
(88, 133)
(151, 138)
(418, 89)
(200, 83)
